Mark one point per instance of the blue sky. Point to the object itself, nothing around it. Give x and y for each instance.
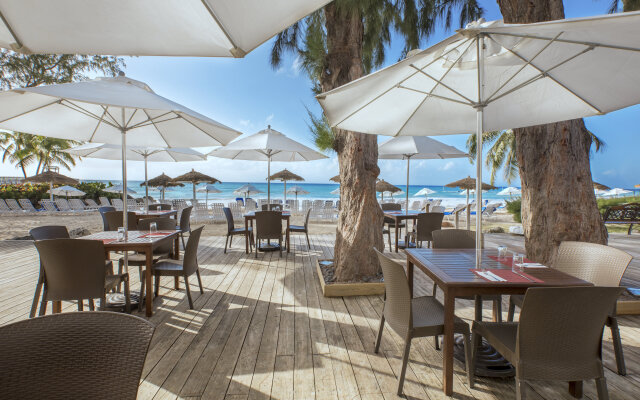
(247, 94)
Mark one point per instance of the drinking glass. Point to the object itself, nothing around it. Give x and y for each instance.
(502, 252)
(158, 208)
(518, 260)
(121, 234)
(153, 228)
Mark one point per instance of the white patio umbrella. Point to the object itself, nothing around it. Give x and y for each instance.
(66, 191)
(118, 189)
(492, 76)
(246, 191)
(618, 192)
(336, 191)
(147, 27)
(115, 110)
(267, 145)
(425, 192)
(297, 190)
(600, 192)
(146, 154)
(420, 147)
(509, 191)
(208, 188)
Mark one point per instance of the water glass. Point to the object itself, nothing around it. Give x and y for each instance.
(158, 208)
(121, 234)
(518, 261)
(153, 228)
(502, 252)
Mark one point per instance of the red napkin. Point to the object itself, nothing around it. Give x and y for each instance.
(508, 261)
(509, 275)
(106, 241)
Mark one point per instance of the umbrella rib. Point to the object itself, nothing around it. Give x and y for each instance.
(18, 43)
(235, 50)
(115, 121)
(399, 85)
(545, 73)
(528, 62)
(157, 129)
(131, 117)
(97, 126)
(81, 110)
(200, 129)
(32, 110)
(439, 82)
(569, 41)
(436, 96)
(150, 119)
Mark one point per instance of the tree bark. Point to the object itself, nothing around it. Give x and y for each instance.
(558, 201)
(359, 227)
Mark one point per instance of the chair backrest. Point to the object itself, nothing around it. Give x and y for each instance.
(455, 239)
(91, 203)
(39, 355)
(74, 268)
(229, 217)
(163, 207)
(104, 201)
(163, 224)
(185, 219)
(13, 205)
(437, 209)
(268, 225)
(47, 204)
(113, 220)
(274, 207)
(118, 204)
(595, 263)
(397, 302)
(391, 206)
(4, 207)
(306, 219)
(426, 224)
(190, 262)
(560, 332)
(26, 205)
(63, 205)
(102, 211)
(49, 232)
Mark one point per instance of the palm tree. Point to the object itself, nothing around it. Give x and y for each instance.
(18, 148)
(49, 151)
(627, 5)
(25, 149)
(337, 44)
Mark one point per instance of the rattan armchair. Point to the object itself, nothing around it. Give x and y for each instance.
(412, 317)
(268, 227)
(426, 223)
(113, 220)
(102, 210)
(303, 229)
(274, 207)
(232, 230)
(595, 263)
(558, 338)
(163, 207)
(390, 222)
(89, 355)
(185, 223)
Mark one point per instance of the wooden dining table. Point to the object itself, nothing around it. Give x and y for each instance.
(251, 216)
(156, 214)
(141, 242)
(453, 271)
(398, 216)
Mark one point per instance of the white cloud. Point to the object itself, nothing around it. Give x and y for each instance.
(296, 65)
(269, 119)
(245, 122)
(447, 166)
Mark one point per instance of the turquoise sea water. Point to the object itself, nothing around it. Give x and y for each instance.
(322, 191)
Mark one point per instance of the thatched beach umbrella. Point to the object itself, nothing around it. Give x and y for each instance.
(209, 188)
(162, 181)
(284, 176)
(468, 184)
(383, 186)
(335, 179)
(52, 177)
(296, 190)
(195, 177)
(600, 186)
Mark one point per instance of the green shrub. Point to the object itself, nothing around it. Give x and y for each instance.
(603, 204)
(33, 192)
(513, 208)
(94, 190)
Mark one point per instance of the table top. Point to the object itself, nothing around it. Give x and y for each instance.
(252, 214)
(156, 212)
(402, 213)
(454, 267)
(135, 238)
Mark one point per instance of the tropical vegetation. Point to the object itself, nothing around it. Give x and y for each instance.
(24, 149)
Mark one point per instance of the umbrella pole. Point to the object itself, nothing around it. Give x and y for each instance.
(285, 192)
(479, 130)
(51, 191)
(269, 182)
(194, 193)
(125, 222)
(407, 203)
(146, 185)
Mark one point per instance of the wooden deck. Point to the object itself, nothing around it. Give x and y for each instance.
(263, 330)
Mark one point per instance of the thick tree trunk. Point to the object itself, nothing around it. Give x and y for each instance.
(360, 221)
(558, 202)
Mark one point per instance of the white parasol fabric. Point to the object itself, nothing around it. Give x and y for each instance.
(118, 189)
(247, 190)
(492, 76)
(208, 188)
(336, 191)
(147, 27)
(267, 145)
(425, 192)
(297, 190)
(67, 191)
(618, 192)
(421, 147)
(509, 191)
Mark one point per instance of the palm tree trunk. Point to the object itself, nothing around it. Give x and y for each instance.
(360, 220)
(558, 202)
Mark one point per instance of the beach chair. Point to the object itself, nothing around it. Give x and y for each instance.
(92, 205)
(118, 204)
(132, 204)
(49, 206)
(236, 211)
(104, 202)
(201, 213)
(26, 205)
(4, 208)
(77, 205)
(415, 205)
(217, 211)
(63, 205)
(250, 205)
(14, 206)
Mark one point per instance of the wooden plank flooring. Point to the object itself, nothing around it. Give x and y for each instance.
(262, 329)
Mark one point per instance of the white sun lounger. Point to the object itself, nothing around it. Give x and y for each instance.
(26, 205)
(14, 206)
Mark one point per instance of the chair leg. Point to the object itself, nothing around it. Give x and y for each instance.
(520, 389)
(497, 310)
(157, 284)
(467, 359)
(225, 243)
(43, 303)
(379, 338)
(36, 295)
(257, 244)
(405, 361)
(471, 367)
(199, 281)
(389, 239)
(92, 306)
(435, 290)
(280, 246)
(617, 345)
(436, 342)
(308, 242)
(127, 295)
(182, 238)
(512, 310)
(601, 387)
(142, 289)
(186, 285)
(80, 305)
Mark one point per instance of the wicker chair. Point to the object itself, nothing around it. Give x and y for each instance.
(102, 211)
(184, 268)
(558, 338)
(595, 263)
(412, 317)
(390, 222)
(274, 207)
(302, 229)
(163, 207)
(232, 230)
(75, 270)
(89, 355)
(426, 223)
(113, 220)
(185, 223)
(268, 226)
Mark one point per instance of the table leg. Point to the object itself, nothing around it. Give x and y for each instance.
(148, 282)
(410, 276)
(56, 307)
(447, 346)
(288, 246)
(396, 234)
(575, 389)
(176, 256)
(246, 237)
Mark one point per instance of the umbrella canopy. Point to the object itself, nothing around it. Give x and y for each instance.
(383, 187)
(247, 190)
(162, 182)
(492, 76)
(422, 147)
(509, 191)
(146, 154)
(147, 27)
(335, 179)
(295, 190)
(618, 191)
(335, 191)
(109, 110)
(195, 177)
(425, 192)
(284, 176)
(66, 191)
(209, 188)
(600, 192)
(267, 145)
(469, 183)
(118, 189)
(600, 186)
(52, 177)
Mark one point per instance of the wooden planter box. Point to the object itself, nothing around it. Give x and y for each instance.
(348, 289)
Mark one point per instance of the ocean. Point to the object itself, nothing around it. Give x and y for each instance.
(449, 196)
